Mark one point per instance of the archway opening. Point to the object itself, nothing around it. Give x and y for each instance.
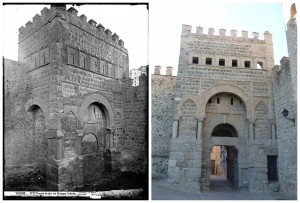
(224, 159)
(224, 130)
(224, 168)
(39, 147)
(95, 142)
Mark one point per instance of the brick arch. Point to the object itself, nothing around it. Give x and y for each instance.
(38, 102)
(97, 98)
(186, 98)
(225, 88)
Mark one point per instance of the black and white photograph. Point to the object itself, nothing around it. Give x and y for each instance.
(154, 100)
(224, 100)
(75, 101)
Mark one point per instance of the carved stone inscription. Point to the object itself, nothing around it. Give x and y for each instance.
(223, 47)
(219, 47)
(260, 89)
(190, 85)
(207, 83)
(83, 78)
(79, 82)
(227, 74)
(95, 46)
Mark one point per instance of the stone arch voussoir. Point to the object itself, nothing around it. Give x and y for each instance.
(38, 102)
(226, 88)
(97, 98)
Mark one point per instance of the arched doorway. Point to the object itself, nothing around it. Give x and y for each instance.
(95, 142)
(224, 158)
(225, 131)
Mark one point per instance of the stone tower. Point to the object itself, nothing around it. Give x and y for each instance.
(223, 97)
(285, 94)
(68, 101)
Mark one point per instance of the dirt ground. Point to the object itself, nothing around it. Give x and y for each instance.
(220, 190)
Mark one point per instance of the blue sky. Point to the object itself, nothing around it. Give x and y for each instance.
(252, 17)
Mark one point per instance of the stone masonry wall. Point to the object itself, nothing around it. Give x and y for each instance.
(291, 36)
(162, 121)
(18, 143)
(285, 93)
(286, 129)
(70, 65)
(134, 154)
(209, 65)
(222, 46)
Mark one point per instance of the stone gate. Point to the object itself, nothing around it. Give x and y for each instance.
(67, 101)
(223, 96)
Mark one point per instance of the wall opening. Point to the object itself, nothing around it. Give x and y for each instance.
(234, 63)
(247, 64)
(40, 142)
(89, 144)
(195, 60)
(224, 130)
(272, 168)
(224, 168)
(259, 65)
(221, 62)
(95, 142)
(208, 61)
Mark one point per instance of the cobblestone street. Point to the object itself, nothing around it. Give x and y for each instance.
(220, 190)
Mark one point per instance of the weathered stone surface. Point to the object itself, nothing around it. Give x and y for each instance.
(224, 96)
(68, 101)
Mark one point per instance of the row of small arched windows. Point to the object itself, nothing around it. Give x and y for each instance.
(234, 62)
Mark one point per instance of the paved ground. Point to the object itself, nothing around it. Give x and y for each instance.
(220, 190)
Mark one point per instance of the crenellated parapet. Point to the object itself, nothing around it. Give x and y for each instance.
(187, 31)
(70, 16)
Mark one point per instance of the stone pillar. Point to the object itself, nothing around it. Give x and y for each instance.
(59, 149)
(169, 71)
(175, 126)
(157, 70)
(199, 127)
(56, 146)
(108, 138)
(112, 139)
(273, 122)
(251, 122)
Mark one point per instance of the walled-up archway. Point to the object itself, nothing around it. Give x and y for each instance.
(39, 141)
(95, 141)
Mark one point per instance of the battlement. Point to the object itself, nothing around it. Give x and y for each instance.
(169, 70)
(187, 31)
(70, 15)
